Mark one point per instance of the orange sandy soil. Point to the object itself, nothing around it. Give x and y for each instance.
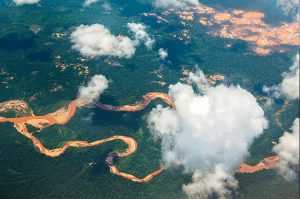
(63, 115)
(265, 164)
(244, 25)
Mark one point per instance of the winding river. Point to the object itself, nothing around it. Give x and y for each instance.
(63, 115)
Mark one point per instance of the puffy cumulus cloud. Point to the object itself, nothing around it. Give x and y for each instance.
(289, 87)
(140, 34)
(198, 78)
(289, 7)
(288, 151)
(212, 183)
(87, 3)
(22, 2)
(290, 82)
(107, 7)
(174, 3)
(96, 40)
(93, 90)
(208, 134)
(163, 54)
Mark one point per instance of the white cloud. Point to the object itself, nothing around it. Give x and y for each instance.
(107, 7)
(96, 40)
(89, 2)
(211, 183)
(22, 2)
(163, 54)
(289, 87)
(288, 151)
(199, 79)
(93, 90)
(289, 7)
(290, 82)
(140, 34)
(208, 134)
(174, 3)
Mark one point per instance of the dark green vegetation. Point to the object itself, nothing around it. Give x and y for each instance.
(29, 58)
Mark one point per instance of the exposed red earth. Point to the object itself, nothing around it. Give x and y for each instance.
(244, 25)
(266, 163)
